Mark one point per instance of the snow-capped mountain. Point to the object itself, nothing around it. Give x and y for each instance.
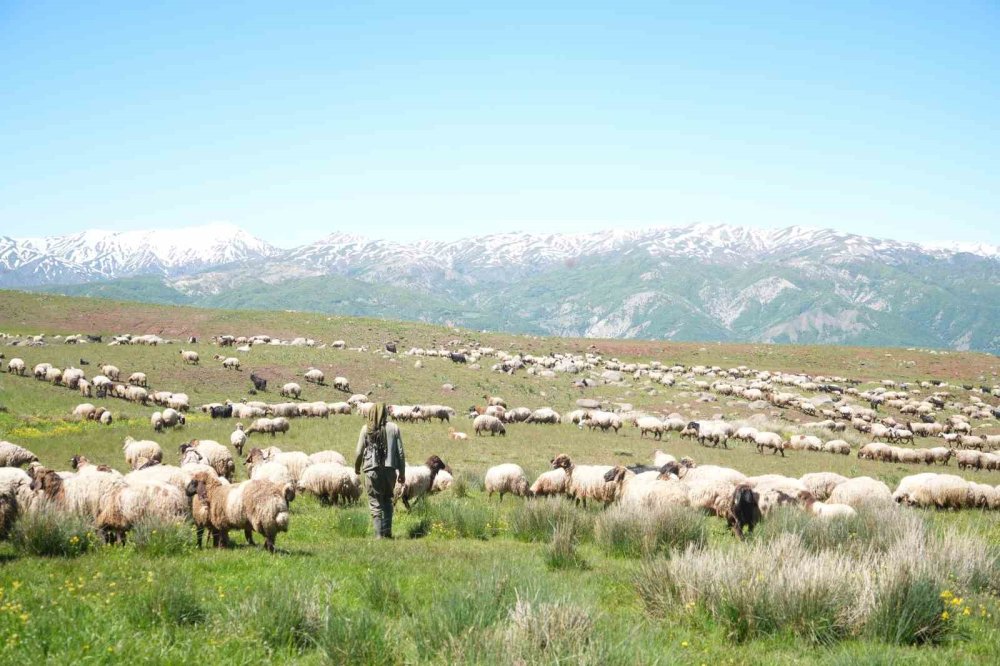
(695, 282)
(94, 255)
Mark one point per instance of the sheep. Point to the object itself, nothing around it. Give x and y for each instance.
(821, 484)
(84, 411)
(651, 425)
(418, 481)
(136, 449)
(214, 455)
(441, 412)
(769, 440)
(824, 510)
(805, 443)
(132, 502)
(41, 369)
(172, 418)
(585, 481)
(12, 455)
(457, 436)
(645, 490)
(287, 409)
(602, 420)
(156, 420)
(238, 438)
(774, 490)
(270, 470)
(291, 390)
(81, 494)
(969, 459)
(169, 474)
(328, 457)
(110, 371)
(711, 431)
(137, 379)
(339, 407)
(546, 415)
(53, 375)
(942, 491)
(506, 478)
(552, 482)
(660, 459)
(746, 434)
(259, 383)
(491, 424)
(72, 377)
(137, 394)
(720, 491)
(190, 357)
(253, 506)
(518, 415)
(269, 426)
(179, 401)
(859, 491)
(230, 362)
(15, 496)
(16, 366)
(105, 418)
(938, 454)
(837, 446)
(314, 376)
(442, 481)
(331, 482)
(295, 462)
(341, 384)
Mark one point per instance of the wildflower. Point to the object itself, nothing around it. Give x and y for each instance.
(946, 594)
(957, 601)
(966, 611)
(684, 644)
(945, 616)
(15, 584)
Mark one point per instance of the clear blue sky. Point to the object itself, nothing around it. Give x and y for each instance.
(420, 119)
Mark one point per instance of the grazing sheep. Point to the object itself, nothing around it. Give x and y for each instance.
(175, 476)
(328, 457)
(545, 415)
(821, 484)
(859, 491)
(769, 440)
(291, 390)
(603, 420)
(189, 357)
(296, 462)
(331, 482)
(837, 446)
(16, 366)
(105, 418)
(81, 494)
(824, 510)
(110, 371)
(15, 496)
(506, 478)
(137, 379)
(314, 376)
(214, 455)
(805, 443)
(585, 481)
(341, 384)
(491, 424)
(12, 455)
(645, 490)
(253, 506)
(230, 362)
(238, 438)
(156, 420)
(146, 449)
(172, 418)
(518, 415)
(715, 432)
(552, 482)
(650, 425)
(660, 459)
(774, 490)
(130, 503)
(419, 481)
(942, 491)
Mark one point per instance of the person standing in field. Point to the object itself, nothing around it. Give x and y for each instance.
(380, 456)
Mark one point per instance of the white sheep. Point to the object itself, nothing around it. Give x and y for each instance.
(341, 384)
(253, 506)
(552, 482)
(328, 457)
(16, 366)
(189, 357)
(660, 458)
(331, 482)
(314, 376)
(419, 481)
(238, 438)
(859, 491)
(821, 484)
(491, 424)
(130, 503)
(827, 511)
(650, 425)
(769, 440)
(544, 415)
(213, 454)
(12, 455)
(586, 481)
(146, 449)
(506, 478)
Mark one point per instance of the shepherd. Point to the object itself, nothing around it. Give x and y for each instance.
(380, 456)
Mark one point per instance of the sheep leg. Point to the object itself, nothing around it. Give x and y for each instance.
(248, 533)
(269, 543)
(201, 534)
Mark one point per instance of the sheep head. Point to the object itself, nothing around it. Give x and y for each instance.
(50, 483)
(78, 461)
(671, 469)
(615, 474)
(435, 464)
(561, 461)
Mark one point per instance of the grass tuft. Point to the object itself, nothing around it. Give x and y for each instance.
(51, 533)
(628, 531)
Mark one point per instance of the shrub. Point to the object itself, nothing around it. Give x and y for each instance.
(877, 528)
(908, 609)
(535, 520)
(158, 538)
(630, 531)
(562, 551)
(558, 628)
(51, 533)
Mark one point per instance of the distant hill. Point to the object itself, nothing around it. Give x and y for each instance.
(698, 282)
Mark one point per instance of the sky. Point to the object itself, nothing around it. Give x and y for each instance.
(434, 120)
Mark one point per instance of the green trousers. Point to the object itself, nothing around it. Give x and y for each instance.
(380, 486)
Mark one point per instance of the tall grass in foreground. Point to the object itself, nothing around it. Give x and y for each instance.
(632, 531)
(52, 533)
(805, 584)
(536, 520)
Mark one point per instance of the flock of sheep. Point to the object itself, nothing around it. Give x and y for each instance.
(202, 488)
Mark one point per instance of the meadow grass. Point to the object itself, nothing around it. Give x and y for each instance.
(537, 581)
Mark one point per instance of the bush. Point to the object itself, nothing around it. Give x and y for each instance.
(558, 628)
(629, 531)
(908, 609)
(562, 551)
(52, 533)
(535, 520)
(874, 527)
(158, 538)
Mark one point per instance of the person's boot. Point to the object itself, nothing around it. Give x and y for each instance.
(377, 527)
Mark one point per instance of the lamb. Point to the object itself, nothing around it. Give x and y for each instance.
(130, 503)
(457, 436)
(341, 384)
(190, 357)
(585, 481)
(770, 440)
(253, 506)
(12, 455)
(84, 411)
(136, 449)
(328, 457)
(547, 415)
(859, 491)
(291, 390)
(419, 481)
(651, 425)
(314, 376)
(824, 510)
(238, 438)
(491, 424)
(821, 484)
(552, 482)
(506, 478)
(442, 481)
(16, 366)
(214, 455)
(331, 482)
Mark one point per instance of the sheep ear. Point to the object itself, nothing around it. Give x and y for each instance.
(202, 491)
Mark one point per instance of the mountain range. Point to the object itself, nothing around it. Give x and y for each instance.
(695, 282)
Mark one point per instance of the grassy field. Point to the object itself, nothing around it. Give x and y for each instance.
(468, 580)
